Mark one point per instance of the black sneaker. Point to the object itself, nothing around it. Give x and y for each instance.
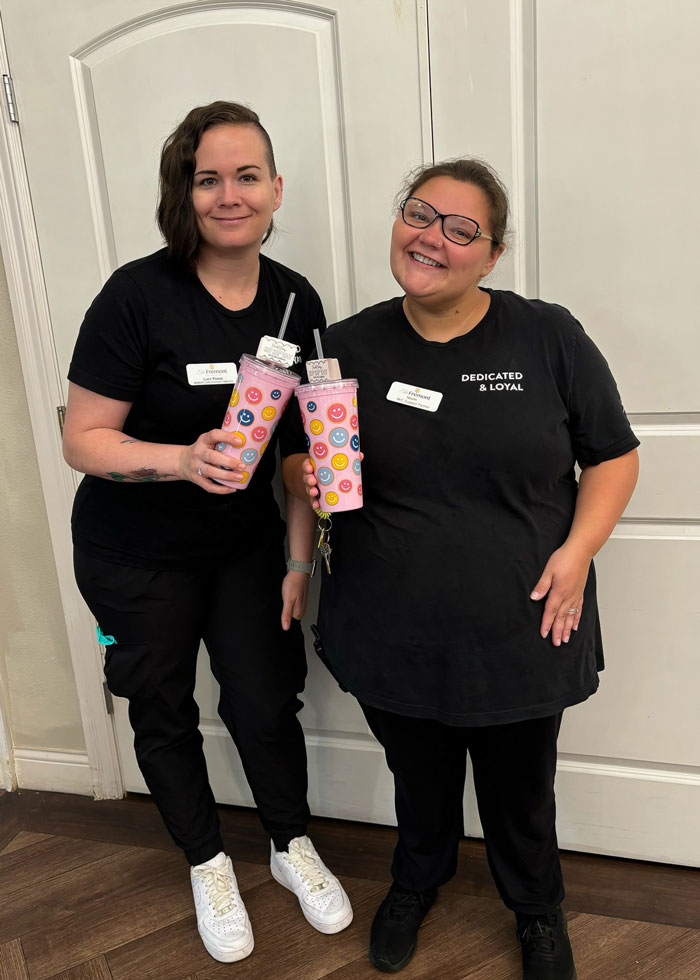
(545, 946)
(394, 934)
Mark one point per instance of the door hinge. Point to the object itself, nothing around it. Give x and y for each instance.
(109, 703)
(10, 98)
(61, 412)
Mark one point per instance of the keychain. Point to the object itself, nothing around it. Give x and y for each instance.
(324, 546)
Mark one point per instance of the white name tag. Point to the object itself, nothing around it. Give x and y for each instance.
(212, 374)
(416, 397)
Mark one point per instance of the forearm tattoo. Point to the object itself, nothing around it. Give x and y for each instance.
(142, 475)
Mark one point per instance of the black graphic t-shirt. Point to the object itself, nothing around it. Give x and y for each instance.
(147, 325)
(427, 611)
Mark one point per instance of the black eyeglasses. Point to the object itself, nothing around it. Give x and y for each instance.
(455, 227)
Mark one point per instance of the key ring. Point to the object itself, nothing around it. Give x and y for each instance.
(325, 523)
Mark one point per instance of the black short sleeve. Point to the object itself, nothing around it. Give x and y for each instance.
(144, 339)
(110, 353)
(598, 424)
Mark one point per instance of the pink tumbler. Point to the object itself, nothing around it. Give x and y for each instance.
(258, 399)
(329, 414)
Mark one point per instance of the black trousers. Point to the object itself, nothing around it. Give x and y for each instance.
(158, 619)
(514, 767)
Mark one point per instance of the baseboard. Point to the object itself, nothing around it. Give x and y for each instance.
(55, 772)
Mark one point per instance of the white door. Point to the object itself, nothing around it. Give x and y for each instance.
(590, 111)
(342, 89)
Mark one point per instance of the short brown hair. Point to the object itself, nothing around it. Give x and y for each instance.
(175, 214)
(469, 170)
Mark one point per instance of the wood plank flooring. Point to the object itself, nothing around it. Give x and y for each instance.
(96, 891)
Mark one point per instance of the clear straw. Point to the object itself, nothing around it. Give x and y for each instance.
(285, 318)
(317, 338)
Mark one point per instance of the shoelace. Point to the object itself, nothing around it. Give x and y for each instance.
(219, 887)
(540, 932)
(306, 864)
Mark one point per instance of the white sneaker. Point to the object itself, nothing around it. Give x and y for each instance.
(222, 920)
(321, 896)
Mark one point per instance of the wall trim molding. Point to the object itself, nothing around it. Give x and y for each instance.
(425, 81)
(622, 769)
(650, 528)
(30, 311)
(667, 427)
(54, 772)
(320, 22)
(523, 87)
(665, 423)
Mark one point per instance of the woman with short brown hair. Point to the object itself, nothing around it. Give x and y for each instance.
(166, 556)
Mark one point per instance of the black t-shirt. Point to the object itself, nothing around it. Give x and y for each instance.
(150, 321)
(427, 611)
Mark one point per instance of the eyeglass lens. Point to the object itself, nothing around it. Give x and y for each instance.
(456, 228)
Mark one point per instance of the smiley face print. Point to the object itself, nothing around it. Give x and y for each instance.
(336, 412)
(338, 437)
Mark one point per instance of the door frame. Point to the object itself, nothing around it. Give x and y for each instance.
(8, 779)
(99, 772)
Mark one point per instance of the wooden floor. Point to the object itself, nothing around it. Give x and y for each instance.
(96, 891)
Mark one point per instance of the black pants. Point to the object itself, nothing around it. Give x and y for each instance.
(514, 767)
(158, 619)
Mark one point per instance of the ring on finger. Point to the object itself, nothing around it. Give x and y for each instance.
(572, 612)
(199, 470)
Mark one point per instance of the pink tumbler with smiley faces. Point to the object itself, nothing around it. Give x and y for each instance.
(329, 414)
(259, 397)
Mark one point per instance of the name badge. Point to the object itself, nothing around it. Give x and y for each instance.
(212, 374)
(416, 397)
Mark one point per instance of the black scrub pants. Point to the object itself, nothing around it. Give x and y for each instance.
(514, 767)
(158, 619)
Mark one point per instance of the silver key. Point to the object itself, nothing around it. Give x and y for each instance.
(325, 552)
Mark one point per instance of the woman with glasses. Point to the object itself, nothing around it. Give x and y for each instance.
(461, 609)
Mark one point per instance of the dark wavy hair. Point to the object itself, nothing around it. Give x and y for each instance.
(469, 170)
(175, 214)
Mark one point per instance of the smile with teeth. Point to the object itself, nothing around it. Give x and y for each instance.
(425, 260)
